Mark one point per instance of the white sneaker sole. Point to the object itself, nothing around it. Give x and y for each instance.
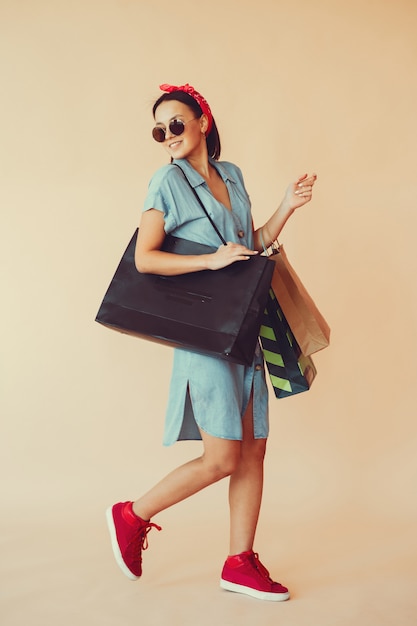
(260, 595)
(115, 546)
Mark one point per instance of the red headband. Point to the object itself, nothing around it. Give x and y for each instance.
(197, 97)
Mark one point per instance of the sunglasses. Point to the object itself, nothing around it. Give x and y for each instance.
(176, 127)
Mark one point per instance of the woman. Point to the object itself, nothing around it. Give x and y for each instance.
(221, 403)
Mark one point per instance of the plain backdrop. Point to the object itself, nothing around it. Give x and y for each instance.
(295, 86)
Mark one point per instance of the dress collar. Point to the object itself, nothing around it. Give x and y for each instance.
(196, 179)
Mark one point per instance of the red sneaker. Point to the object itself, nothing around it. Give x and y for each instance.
(245, 573)
(128, 534)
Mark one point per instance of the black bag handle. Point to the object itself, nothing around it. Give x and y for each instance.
(224, 242)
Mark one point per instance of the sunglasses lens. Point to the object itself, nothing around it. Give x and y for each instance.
(176, 127)
(158, 134)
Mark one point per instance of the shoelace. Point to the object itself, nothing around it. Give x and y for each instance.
(139, 540)
(261, 568)
(144, 531)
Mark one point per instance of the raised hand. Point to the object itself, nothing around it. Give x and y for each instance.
(300, 192)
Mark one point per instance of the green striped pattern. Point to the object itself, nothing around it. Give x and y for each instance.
(289, 370)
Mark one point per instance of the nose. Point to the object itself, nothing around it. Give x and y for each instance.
(168, 133)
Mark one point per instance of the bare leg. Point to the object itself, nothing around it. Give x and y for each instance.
(245, 490)
(219, 460)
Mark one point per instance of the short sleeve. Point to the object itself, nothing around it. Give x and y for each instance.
(162, 194)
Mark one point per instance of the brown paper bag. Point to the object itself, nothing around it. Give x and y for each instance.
(305, 320)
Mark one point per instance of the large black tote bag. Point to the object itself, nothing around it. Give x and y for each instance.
(213, 312)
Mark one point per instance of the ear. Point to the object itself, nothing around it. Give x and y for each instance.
(204, 123)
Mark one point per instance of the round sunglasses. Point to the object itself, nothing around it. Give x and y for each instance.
(176, 127)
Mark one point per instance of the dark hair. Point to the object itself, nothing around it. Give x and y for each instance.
(212, 139)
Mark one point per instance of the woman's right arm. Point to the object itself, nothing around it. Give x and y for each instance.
(150, 259)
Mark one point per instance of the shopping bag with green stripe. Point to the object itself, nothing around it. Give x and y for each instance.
(289, 370)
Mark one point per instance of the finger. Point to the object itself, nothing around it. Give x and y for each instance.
(244, 253)
(237, 248)
(310, 180)
(307, 180)
(304, 190)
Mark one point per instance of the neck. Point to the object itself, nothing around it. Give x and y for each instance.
(201, 165)
(199, 160)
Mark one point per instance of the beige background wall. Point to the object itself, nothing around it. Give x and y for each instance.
(295, 86)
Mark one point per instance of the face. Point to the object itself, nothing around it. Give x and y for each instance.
(192, 141)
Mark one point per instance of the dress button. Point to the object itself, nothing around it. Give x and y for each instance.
(258, 367)
(240, 233)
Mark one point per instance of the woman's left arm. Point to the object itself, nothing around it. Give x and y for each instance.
(298, 193)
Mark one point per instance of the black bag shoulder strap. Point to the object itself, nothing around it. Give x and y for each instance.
(224, 242)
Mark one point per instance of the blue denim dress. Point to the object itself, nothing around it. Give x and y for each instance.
(208, 393)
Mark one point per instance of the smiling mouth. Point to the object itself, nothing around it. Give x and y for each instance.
(174, 143)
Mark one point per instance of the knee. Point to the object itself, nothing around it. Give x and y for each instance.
(221, 467)
(254, 452)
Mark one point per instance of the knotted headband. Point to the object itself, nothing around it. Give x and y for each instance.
(197, 97)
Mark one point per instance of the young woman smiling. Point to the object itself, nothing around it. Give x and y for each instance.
(223, 404)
